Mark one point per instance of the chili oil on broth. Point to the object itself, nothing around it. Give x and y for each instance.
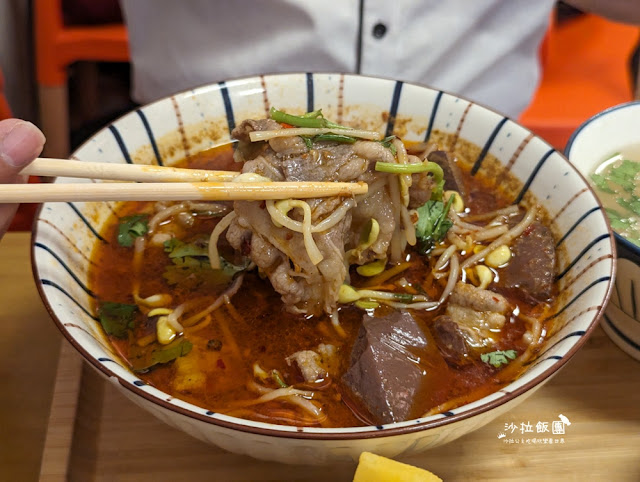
(216, 373)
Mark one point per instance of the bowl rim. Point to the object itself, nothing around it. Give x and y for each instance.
(628, 245)
(606, 112)
(341, 433)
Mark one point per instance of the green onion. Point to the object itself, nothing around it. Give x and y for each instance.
(436, 171)
(313, 119)
(312, 114)
(295, 120)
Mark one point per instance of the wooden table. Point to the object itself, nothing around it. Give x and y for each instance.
(94, 433)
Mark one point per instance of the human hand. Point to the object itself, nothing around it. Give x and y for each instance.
(20, 143)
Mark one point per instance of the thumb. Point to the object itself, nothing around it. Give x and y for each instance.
(20, 143)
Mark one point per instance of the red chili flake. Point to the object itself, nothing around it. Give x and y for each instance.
(220, 364)
(285, 125)
(288, 236)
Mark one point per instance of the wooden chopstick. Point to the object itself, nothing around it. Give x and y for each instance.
(175, 191)
(123, 172)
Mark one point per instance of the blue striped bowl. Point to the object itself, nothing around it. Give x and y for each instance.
(595, 140)
(168, 130)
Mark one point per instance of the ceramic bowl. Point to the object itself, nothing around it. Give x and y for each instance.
(170, 129)
(597, 139)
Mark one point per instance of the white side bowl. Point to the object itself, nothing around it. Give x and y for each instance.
(170, 129)
(594, 141)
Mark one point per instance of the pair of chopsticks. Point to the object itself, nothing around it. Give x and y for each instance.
(158, 183)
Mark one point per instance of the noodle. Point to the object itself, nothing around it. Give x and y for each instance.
(165, 214)
(279, 218)
(214, 257)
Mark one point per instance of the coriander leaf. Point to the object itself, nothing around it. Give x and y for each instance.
(190, 272)
(171, 352)
(132, 227)
(618, 221)
(191, 268)
(433, 224)
(624, 174)
(147, 357)
(499, 357)
(602, 183)
(625, 226)
(171, 244)
(179, 249)
(632, 204)
(117, 318)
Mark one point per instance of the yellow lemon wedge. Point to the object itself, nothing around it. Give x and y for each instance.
(374, 468)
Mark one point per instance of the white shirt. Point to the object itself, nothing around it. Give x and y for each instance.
(485, 50)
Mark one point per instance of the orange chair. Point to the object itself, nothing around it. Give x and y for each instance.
(584, 70)
(58, 46)
(5, 110)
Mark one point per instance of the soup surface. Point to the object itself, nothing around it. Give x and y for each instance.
(617, 182)
(451, 319)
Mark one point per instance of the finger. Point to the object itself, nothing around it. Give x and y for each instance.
(20, 143)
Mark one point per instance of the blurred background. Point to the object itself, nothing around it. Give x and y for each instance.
(64, 66)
